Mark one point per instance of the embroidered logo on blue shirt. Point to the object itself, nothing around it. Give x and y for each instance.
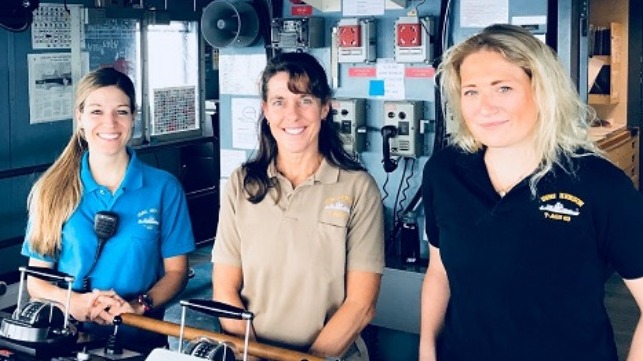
(560, 206)
(148, 218)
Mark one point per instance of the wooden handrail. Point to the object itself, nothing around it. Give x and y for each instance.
(189, 333)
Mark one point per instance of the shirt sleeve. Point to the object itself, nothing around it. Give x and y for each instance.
(621, 225)
(365, 244)
(227, 243)
(29, 252)
(430, 225)
(177, 237)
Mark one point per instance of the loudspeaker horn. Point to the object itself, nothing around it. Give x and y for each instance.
(230, 23)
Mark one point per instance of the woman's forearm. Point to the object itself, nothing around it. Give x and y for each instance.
(435, 297)
(636, 348)
(352, 316)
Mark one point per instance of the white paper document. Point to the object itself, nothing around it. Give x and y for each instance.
(51, 89)
(240, 74)
(482, 13)
(393, 75)
(231, 159)
(245, 113)
(363, 7)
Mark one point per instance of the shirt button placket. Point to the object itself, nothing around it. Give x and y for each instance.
(106, 197)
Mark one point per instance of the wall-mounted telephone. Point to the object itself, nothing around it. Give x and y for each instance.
(349, 118)
(401, 131)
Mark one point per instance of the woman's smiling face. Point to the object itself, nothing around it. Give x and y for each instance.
(497, 101)
(107, 120)
(294, 119)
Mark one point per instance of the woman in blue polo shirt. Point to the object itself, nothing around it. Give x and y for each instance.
(143, 265)
(526, 220)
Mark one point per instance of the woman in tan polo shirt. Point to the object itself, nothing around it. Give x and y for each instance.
(300, 237)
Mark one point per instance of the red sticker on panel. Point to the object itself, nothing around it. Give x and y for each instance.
(424, 72)
(362, 72)
(301, 10)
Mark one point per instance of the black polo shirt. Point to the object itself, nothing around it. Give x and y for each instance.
(527, 273)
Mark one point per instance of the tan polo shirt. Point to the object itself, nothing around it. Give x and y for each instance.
(295, 253)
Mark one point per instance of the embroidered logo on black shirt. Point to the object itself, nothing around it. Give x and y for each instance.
(560, 206)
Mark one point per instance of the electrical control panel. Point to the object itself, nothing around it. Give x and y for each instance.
(297, 33)
(350, 120)
(405, 117)
(356, 40)
(414, 39)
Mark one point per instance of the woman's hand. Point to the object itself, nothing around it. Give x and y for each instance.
(103, 303)
(82, 306)
(125, 307)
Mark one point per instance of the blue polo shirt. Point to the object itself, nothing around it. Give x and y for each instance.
(153, 224)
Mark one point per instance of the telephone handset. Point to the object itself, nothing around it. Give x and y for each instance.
(388, 132)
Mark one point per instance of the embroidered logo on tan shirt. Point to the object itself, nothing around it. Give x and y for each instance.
(339, 206)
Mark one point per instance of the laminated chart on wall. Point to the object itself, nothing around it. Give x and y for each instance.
(113, 44)
(53, 25)
(174, 110)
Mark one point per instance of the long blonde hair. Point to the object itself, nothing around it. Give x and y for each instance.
(563, 118)
(56, 195)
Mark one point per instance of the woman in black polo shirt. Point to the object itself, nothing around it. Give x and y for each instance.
(526, 221)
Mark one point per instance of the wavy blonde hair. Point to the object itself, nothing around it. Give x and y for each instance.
(56, 195)
(563, 118)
